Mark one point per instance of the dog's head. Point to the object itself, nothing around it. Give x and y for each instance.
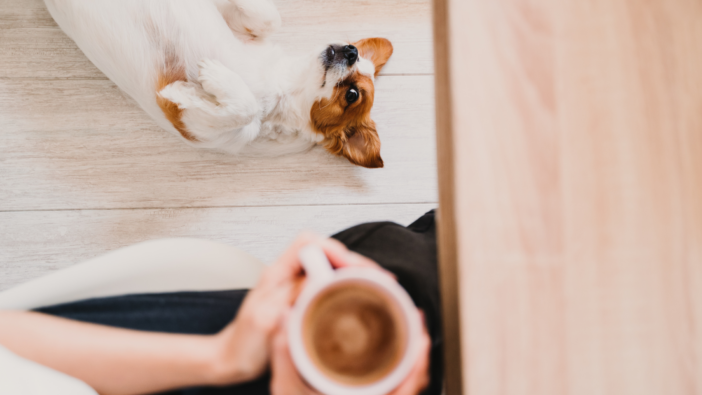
(343, 117)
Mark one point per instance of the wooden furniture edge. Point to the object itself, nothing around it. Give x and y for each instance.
(446, 231)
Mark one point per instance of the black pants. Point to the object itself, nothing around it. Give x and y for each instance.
(409, 253)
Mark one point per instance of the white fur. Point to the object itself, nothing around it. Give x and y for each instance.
(366, 67)
(242, 91)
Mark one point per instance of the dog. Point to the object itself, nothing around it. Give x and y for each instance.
(205, 70)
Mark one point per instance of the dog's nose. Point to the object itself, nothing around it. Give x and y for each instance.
(351, 54)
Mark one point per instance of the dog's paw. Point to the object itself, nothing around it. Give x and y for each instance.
(231, 92)
(258, 18)
(182, 93)
(216, 79)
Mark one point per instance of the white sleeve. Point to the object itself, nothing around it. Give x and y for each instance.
(19, 376)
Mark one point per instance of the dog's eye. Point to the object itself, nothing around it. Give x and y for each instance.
(351, 95)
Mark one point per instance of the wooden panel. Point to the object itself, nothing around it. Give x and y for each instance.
(36, 243)
(572, 167)
(34, 47)
(510, 247)
(630, 93)
(504, 194)
(447, 246)
(81, 144)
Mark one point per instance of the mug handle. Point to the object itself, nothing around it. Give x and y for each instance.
(315, 263)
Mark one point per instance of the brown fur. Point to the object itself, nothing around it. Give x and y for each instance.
(378, 50)
(348, 129)
(170, 109)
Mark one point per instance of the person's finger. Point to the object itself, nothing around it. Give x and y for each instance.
(281, 364)
(418, 378)
(285, 378)
(298, 286)
(339, 256)
(289, 258)
(336, 252)
(287, 267)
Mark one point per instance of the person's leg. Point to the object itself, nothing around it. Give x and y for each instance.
(201, 313)
(176, 312)
(409, 253)
(157, 266)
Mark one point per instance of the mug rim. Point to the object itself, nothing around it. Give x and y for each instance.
(313, 375)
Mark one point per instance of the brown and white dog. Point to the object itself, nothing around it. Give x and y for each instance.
(204, 70)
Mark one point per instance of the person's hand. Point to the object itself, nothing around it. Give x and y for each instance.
(245, 345)
(287, 381)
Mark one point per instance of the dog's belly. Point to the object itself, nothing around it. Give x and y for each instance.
(133, 41)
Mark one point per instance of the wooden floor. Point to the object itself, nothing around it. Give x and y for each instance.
(83, 170)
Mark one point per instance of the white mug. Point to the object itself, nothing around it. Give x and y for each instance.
(321, 276)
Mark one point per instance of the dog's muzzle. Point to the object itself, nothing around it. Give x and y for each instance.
(340, 55)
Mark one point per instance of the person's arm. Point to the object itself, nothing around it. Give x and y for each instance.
(120, 361)
(116, 361)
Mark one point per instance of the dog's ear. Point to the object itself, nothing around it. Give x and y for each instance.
(378, 50)
(362, 146)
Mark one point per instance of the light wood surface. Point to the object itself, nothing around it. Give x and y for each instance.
(83, 170)
(66, 237)
(95, 149)
(35, 47)
(446, 214)
(574, 149)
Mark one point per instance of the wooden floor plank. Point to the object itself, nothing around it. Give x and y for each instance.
(34, 47)
(81, 144)
(24, 13)
(84, 170)
(36, 243)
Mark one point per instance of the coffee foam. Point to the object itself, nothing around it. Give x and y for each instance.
(354, 333)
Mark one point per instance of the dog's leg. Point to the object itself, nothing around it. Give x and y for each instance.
(222, 103)
(255, 18)
(230, 91)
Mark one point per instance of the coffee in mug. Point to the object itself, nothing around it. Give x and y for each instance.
(352, 330)
(354, 333)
